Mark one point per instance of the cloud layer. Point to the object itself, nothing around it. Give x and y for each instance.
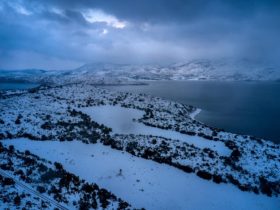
(61, 34)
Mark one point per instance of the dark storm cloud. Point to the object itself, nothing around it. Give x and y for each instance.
(177, 10)
(71, 32)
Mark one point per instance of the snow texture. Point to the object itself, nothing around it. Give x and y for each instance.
(144, 183)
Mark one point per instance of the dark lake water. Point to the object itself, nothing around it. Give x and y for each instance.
(240, 107)
(16, 85)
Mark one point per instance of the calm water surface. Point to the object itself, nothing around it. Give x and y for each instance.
(240, 107)
(16, 85)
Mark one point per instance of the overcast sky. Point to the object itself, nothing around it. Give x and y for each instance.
(63, 34)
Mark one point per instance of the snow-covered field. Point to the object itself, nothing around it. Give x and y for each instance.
(124, 121)
(144, 183)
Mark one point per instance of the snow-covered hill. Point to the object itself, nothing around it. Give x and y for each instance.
(222, 69)
(121, 150)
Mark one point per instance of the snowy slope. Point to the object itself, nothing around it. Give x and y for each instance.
(144, 183)
(95, 132)
(190, 70)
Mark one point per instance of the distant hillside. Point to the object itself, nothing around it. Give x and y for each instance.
(230, 70)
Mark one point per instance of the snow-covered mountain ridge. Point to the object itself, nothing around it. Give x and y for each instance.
(241, 70)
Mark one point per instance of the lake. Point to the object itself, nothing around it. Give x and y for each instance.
(251, 108)
(16, 85)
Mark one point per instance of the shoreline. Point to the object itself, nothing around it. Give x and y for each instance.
(195, 113)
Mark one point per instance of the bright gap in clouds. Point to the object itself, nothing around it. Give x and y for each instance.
(21, 9)
(95, 16)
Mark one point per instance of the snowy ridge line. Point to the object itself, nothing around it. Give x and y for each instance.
(104, 73)
(25, 187)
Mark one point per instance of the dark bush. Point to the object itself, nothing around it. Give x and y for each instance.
(1, 145)
(230, 144)
(88, 188)
(6, 167)
(32, 90)
(28, 161)
(27, 152)
(9, 135)
(211, 155)
(148, 153)
(17, 121)
(46, 126)
(233, 180)
(208, 137)
(41, 189)
(42, 167)
(131, 146)
(191, 133)
(44, 137)
(214, 133)
(204, 175)
(265, 186)
(201, 134)
(154, 141)
(11, 148)
(19, 172)
(54, 190)
(29, 136)
(8, 181)
(217, 179)
(58, 166)
(116, 145)
(17, 200)
(235, 155)
(107, 141)
(65, 180)
(104, 195)
(244, 187)
(50, 175)
(123, 205)
(84, 204)
(185, 168)
(255, 190)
